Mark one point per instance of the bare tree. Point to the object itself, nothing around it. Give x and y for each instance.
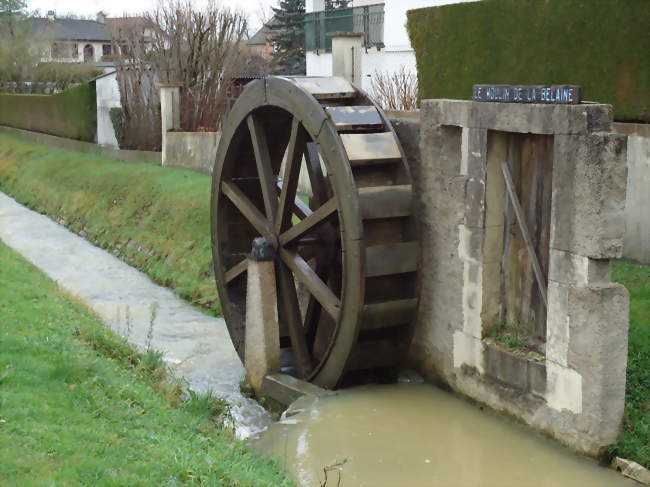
(396, 90)
(176, 43)
(20, 49)
(201, 50)
(264, 14)
(138, 84)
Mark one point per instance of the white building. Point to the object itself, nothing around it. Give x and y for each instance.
(73, 40)
(108, 96)
(384, 24)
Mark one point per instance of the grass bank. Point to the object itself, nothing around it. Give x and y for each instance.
(155, 219)
(78, 406)
(634, 442)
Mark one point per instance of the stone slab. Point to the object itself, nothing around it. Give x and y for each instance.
(589, 190)
(508, 117)
(286, 389)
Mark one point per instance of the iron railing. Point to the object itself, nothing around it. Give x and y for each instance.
(368, 20)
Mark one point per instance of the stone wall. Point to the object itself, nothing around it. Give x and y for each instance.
(191, 150)
(637, 221)
(573, 386)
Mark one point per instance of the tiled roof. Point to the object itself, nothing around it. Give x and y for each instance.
(71, 29)
(261, 35)
(252, 67)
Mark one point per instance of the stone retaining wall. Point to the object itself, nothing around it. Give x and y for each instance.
(573, 390)
(191, 150)
(85, 147)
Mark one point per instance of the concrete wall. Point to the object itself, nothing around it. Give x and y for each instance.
(108, 96)
(637, 219)
(192, 150)
(85, 147)
(575, 389)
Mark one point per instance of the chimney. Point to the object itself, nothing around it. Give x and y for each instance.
(50, 15)
(101, 17)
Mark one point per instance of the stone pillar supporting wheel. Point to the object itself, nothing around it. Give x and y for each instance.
(344, 248)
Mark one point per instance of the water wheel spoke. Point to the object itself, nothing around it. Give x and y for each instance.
(247, 208)
(291, 175)
(306, 275)
(309, 223)
(264, 167)
(300, 209)
(312, 313)
(236, 270)
(289, 312)
(315, 172)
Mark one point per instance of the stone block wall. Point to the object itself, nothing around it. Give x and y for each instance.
(191, 150)
(574, 387)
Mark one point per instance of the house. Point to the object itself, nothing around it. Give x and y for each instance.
(73, 40)
(86, 41)
(387, 45)
(260, 44)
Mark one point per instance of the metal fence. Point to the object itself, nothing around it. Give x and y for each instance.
(368, 20)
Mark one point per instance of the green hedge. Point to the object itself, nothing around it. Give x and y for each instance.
(602, 45)
(71, 113)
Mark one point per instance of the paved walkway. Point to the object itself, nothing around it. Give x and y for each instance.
(197, 347)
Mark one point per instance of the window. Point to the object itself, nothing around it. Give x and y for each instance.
(106, 50)
(56, 50)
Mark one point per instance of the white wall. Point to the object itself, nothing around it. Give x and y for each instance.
(373, 60)
(79, 58)
(398, 51)
(108, 96)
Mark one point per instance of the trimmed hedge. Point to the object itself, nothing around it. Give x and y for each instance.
(71, 114)
(602, 45)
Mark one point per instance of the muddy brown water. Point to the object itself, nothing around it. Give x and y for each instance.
(418, 435)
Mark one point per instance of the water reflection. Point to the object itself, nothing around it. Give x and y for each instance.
(417, 435)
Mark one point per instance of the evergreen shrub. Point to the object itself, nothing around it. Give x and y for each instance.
(601, 45)
(71, 113)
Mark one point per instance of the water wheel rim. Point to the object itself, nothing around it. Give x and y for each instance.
(286, 95)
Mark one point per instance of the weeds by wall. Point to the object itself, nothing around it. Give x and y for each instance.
(71, 113)
(602, 45)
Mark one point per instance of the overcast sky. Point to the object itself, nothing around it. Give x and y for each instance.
(118, 7)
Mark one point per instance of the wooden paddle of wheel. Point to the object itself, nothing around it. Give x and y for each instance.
(346, 256)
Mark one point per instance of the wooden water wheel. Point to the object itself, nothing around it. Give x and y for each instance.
(314, 167)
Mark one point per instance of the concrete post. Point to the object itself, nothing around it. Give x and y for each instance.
(170, 112)
(262, 340)
(347, 49)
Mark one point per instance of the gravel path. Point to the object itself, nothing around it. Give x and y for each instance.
(196, 346)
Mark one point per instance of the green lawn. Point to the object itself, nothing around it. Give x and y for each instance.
(72, 415)
(634, 442)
